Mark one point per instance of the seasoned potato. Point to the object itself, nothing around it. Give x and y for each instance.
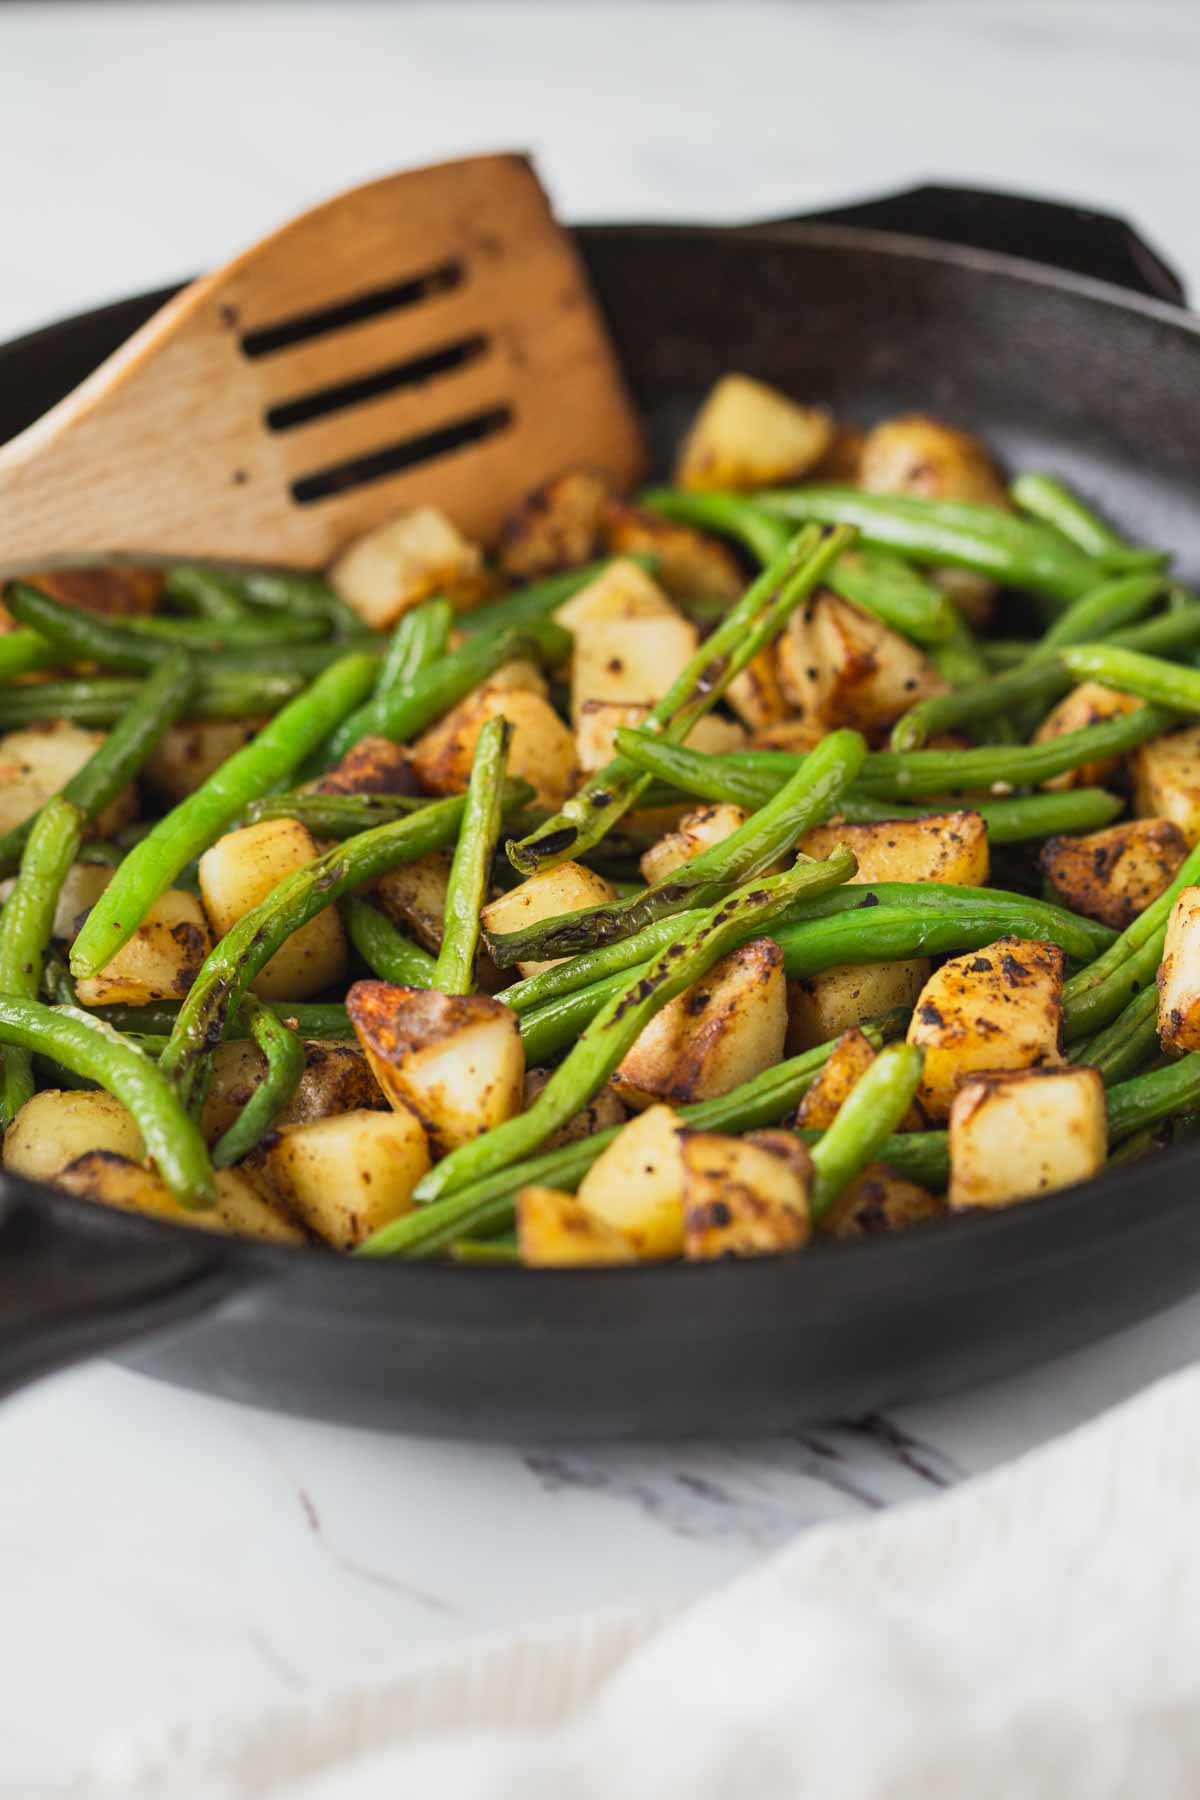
(740, 1198)
(852, 1057)
(880, 1200)
(822, 1006)
(567, 888)
(457, 1062)
(60, 1124)
(374, 766)
(844, 665)
(749, 435)
(635, 1187)
(621, 591)
(558, 526)
(554, 1231)
(1179, 975)
(629, 660)
(348, 1175)
(947, 847)
(398, 565)
(38, 762)
(188, 754)
(1016, 1135)
(414, 896)
(726, 1028)
(541, 749)
(596, 729)
(756, 695)
(113, 593)
(82, 887)
(999, 1008)
(602, 1111)
(336, 1079)
(239, 872)
(159, 962)
(698, 830)
(691, 565)
(1167, 778)
(1113, 875)
(1088, 704)
(239, 1210)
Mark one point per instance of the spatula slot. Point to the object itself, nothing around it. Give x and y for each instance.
(370, 305)
(410, 373)
(394, 458)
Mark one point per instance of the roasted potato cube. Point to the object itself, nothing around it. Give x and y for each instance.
(749, 435)
(1088, 704)
(635, 1187)
(457, 1062)
(374, 766)
(541, 750)
(348, 1175)
(414, 897)
(239, 872)
(558, 526)
(567, 888)
(1113, 875)
(914, 454)
(188, 754)
(336, 1079)
(159, 962)
(852, 1057)
(596, 729)
(742, 1199)
(113, 593)
(622, 591)
(398, 565)
(822, 1006)
(999, 1008)
(715, 735)
(756, 695)
(698, 830)
(555, 1232)
(602, 1111)
(1016, 1135)
(38, 762)
(630, 660)
(726, 1028)
(59, 1124)
(82, 887)
(691, 565)
(879, 1201)
(1179, 975)
(851, 669)
(239, 1210)
(946, 847)
(1167, 778)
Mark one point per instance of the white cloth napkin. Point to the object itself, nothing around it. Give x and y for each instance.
(1034, 1635)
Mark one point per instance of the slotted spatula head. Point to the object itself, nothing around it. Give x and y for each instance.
(426, 340)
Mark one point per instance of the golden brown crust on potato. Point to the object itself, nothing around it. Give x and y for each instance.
(1113, 875)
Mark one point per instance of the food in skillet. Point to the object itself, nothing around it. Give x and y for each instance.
(808, 848)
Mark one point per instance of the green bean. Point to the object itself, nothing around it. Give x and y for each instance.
(895, 593)
(620, 1021)
(1045, 498)
(88, 1047)
(954, 533)
(805, 801)
(57, 988)
(204, 637)
(1089, 1007)
(1148, 1099)
(387, 952)
(207, 593)
(192, 826)
(730, 515)
(26, 924)
(1008, 821)
(1122, 1047)
(311, 1018)
(1149, 677)
(303, 660)
(81, 636)
(335, 815)
(23, 651)
(419, 639)
(753, 623)
(960, 660)
(467, 887)
(1118, 601)
(293, 594)
(867, 1117)
(159, 702)
(920, 1156)
(285, 1066)
(540, 600)
(501, 1252)
(103, 701)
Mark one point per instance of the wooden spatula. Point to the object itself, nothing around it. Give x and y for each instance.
(427, 339)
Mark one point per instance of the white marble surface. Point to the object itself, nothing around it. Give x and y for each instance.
(163, 1554)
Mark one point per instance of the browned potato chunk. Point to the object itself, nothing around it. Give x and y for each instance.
(1167, 778)
(1013, 1136)
(756, 695)
(725, 1029)
(698, 830)
(336, 1079)
(541, 750)
(1113, 875)
(400, 564)
(822, 1006)
(842, 462)
(159, 962)
(740, 1198)
(60, 1124)
(555, 1232)
(557, 526)
(629, 660)
(348, 1175)
(1179, 975)
(852, 1057)
(691, 565)
(946, 847)
(238, 873)
(999, 1008)
(914, 454)
(1088, 704)
(840, 662)
(794, 735)
(596, 729)
(456, 1061)
(374, 766)
(635, 1186)
(749, 435)
(879, 1201)
(567, 888)
(113, 593)
(82, 887)
(189, 753)
(239, 1208)
(602, 1111)
(37, 763)
(414, 897)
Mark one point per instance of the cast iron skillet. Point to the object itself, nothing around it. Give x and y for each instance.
(1076, 370)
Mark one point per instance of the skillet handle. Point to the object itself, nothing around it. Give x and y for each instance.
(1045, 231)
(77, 1280)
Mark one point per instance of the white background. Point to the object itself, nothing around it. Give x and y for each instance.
(162, 1554)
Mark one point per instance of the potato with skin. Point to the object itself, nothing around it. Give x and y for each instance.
(1113, 875)
(1014, 1136)
(336, 1079)
(567, 888)
(743, 1198)
(1167, 779)
(822, 1006)
(1091, 703)
(621, 591)
(237, 874)
(541, 749)
(239, 1210)
(37, 763)
(602, 1111)
(455, 1061)
(159, 962)
(943, 847)
(629, 660)
(635, 1186)
(691, 564)
(82, 887)
(408, 560)
(999, 1008)
(880, 1201)
(558, 526)
(413, 897)
(350, 1174)
(60, 1124)
(187, 754)
(841, 665)
(697, 831)
(555, 1232)
(1179, 975)
(749, 435)
(721, 1031)
(373, 766)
